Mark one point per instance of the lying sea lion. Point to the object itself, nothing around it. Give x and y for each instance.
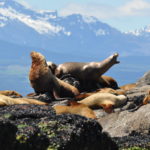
(75, 108)
(6, 100)
(42, 79)
(87, 73)
(102, 90)
(127, 87)
(105, 100)
(107, 81)
(146, 99)
(10, 93)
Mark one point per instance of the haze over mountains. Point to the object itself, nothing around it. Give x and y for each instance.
(61, 39)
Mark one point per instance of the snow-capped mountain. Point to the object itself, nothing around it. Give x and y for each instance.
(47, 30)
(70, 38)
(143, 32)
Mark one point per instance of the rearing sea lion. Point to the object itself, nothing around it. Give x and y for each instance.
(86, 72)
(42, 79)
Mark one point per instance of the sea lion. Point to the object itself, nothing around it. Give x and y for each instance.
(102, 90)
(87, 73)
(127, 87)
(107, 81)
(6, 100)
(42, 80)
(146, 99)
(105, 100)
(75, 108)
(52, 66)
(10, 93)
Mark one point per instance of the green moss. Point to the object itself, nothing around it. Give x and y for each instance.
(21, 138)
(134, 148)
(22, 125)
(7, 116)
(45, 127)
(53, 147)
(50, 129)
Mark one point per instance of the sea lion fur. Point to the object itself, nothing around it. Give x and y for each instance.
(105, 100)
(43, 80)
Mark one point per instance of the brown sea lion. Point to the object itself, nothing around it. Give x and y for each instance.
(102, 90)
(42, 79)
(107, 81)
(10, 93)
(52, 66)
(75, 108)
(87, 73)
(6, 100)
(146, 99)
(105, 100)
(127, 87)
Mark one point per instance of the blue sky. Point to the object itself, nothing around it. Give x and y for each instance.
(125, 15)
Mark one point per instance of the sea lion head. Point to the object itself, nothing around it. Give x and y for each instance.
(52, 66)
(37, 57)
(115, 55)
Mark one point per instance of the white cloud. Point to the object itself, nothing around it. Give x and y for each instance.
(135, 7)
(2, 24)
(101, 11)
(95, 10)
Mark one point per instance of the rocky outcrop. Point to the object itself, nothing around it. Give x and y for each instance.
(145, 80)
(124, 123)
(28, 127)
(131, 128)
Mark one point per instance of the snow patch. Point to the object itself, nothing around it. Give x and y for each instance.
(88, 19)
(101, 32)
(40, 26)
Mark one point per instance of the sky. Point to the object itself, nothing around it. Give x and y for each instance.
(125, 15)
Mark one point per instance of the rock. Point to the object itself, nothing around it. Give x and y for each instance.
(135, 139)
(128, 128)
(138, 93)
(42, 97)
(32, 127)
(145, 80)
(125, 123)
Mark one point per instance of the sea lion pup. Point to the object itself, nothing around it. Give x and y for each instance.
(10, 93)
(84, 72)
(102, 90)
(107, 81)
(75, 108)
(6, 100)
(127, 87)
(105, 100)
(42, 79)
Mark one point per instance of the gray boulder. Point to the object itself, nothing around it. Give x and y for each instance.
(145, 80)
(131, 126)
